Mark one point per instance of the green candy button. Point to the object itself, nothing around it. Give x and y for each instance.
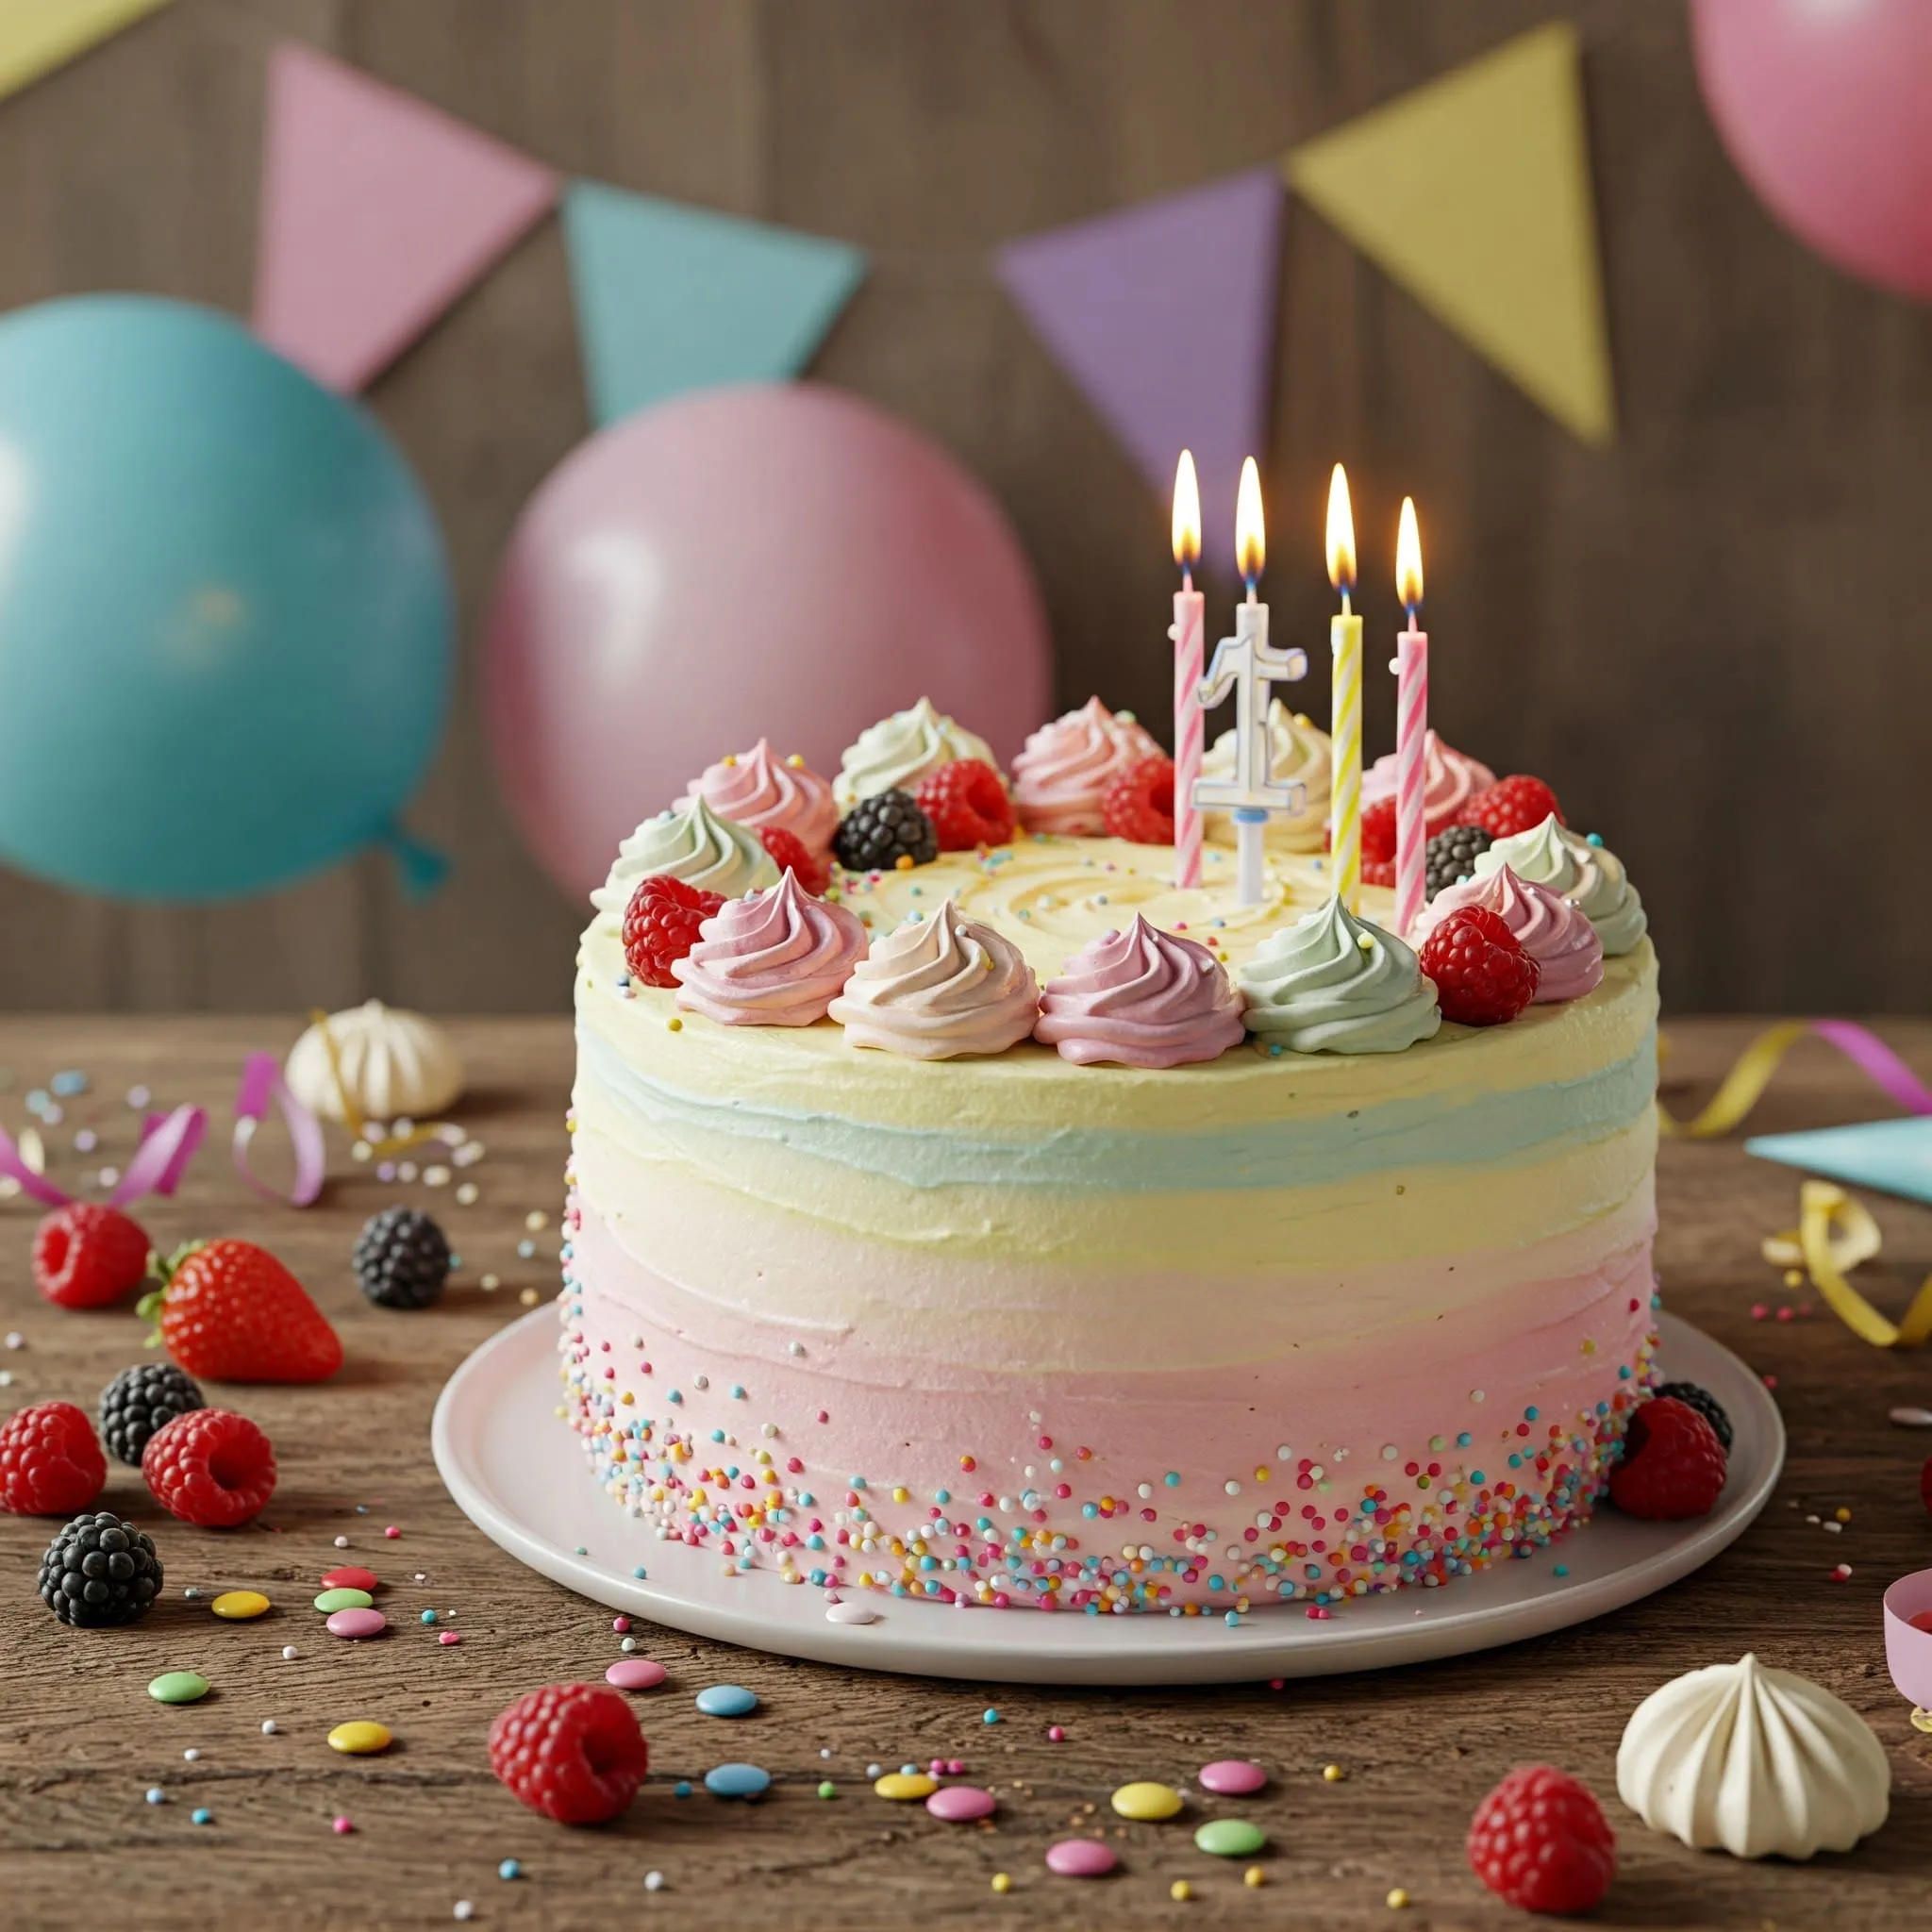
(1231, 1837)
(179, 1686)
(332, 1599)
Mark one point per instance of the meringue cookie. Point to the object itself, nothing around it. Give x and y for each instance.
(1066, 765)
(394, 1064)
(758, 789)
(1141, 998)
(1552, 855)
(1333, 983)
(1450, 779)
(938, 988)
(772, 959)
(694, 845)
(897, 752)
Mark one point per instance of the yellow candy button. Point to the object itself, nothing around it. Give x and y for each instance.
(905, 1785)
(237, 1605)
(1147, 1803)
(360, 1737)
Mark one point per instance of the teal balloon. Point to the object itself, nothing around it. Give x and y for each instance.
(224, 609)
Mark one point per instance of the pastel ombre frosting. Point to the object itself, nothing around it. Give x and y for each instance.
(1299, 752)
(1450, 779)
(940, 986)
(692, 843)
(1065, 767)
(897, 752)
(756, 789)
(1573, 867)
(1552, 930)
(1333, 983)
(772, 958)
(1140, 997)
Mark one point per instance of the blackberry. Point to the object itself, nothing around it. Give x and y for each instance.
(401, 1259)
(139, 1401)
(1705, 1404)
(885, 830)
(99, 1571)
(1452, 855)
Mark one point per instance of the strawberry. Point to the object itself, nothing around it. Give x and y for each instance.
(86, 1255)
(789, 852)
(230, 1312)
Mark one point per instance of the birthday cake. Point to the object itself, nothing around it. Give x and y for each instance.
(961, 1209)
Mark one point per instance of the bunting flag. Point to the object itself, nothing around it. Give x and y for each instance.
(377, 212)
(1475, 192)
(37, 36)
(672, 298)
(1164, 314)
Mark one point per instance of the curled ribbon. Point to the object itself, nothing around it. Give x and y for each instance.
(1742, 1087)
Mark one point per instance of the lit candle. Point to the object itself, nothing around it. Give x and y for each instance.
(1189, 718)
(1412, 727)
(1345, 720)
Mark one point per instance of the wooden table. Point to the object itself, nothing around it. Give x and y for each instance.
(80, 1741)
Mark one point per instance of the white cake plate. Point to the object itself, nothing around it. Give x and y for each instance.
(521, 1476)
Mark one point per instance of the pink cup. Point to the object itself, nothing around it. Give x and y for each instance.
(1909, 1651)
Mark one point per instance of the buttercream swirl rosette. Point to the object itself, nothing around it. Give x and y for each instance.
(1550, 929)
(1333, 983)
(1450, 779)
(773, 958)
(1066, 766)
(694, 844)
(757, 789)
(1141, 998)
(897, 752)
(939, 988)
(1299, 752)
(1572, 867)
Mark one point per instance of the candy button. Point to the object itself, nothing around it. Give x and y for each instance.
(352, 1577)
(343, 1598)
(737, 1780)
(1231, 1837)
(904, 1785)
(1080, 1857)
(359, 1737)
(1148, 1803)
(1232, 1777)
(356, 1623)
(961, 1804)
(635, 1674)
(237, 1605)
(179, 1686)
(728, 1700)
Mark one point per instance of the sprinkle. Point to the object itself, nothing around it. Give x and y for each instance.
(1055, 1735)
(268, 1727)
(447, 1637)
(156, 1795)
(1398, 1898)
(827, 1788)
(290, 1653)
(1332, 1774)
(1180, 1892)
(341, 1543)
(465, 1909)
(654, 1881)
(509, 1869)
(989, 1716)
(341, 1826)
(1001, 1882)
(202, 1815)
(1254, 1878)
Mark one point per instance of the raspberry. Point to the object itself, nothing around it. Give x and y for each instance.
(1482, 976)
(789, 853)
(50, 1461)
(661, 925)
(1705, 1404)
(1512, 805)
(211, 1467)
(1378, 832)
(1673, 1465)
(86, 1255)
(1541, 1843)
(1139, 805)
(573, 1752)
(967, 806)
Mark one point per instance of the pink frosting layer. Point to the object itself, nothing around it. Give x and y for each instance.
(1066, 766)
(1550, 929)
(772, 958)
(1141, 998)
(1450, 779)
(756, 788)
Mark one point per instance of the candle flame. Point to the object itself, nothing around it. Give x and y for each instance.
(1250, 535)
(1187, 512)
(1341, 533)
(1408, 559)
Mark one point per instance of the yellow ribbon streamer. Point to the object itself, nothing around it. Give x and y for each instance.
(352, 1114)
(1741, 1090)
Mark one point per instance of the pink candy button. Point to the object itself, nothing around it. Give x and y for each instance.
(1232, 1777)
(1079, 1858)
(635, 1674)
(358, 1623)
(961, 1804)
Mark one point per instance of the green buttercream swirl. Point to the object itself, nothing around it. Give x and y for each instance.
(696, 845)
(1333, 983)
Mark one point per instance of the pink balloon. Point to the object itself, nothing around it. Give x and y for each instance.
(1827, 109)
(774, 559)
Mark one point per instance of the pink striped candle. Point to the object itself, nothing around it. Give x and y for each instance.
(1411, 729)
(1189, 720)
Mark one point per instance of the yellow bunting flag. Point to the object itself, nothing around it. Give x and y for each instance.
(1474, 192)
(37, 36)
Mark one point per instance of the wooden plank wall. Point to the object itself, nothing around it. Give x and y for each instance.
(1711, 636)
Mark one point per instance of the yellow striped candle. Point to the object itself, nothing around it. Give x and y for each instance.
(1345, 724)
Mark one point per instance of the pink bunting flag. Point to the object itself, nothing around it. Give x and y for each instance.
(378, 212)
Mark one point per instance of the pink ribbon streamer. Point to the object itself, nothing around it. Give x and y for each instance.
(262, 1082)
(1877, 1062)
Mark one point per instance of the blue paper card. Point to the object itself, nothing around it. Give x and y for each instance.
(1894, 1156)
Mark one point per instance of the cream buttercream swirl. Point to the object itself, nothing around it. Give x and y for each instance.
(758, 789)
(940, 986)
(694, 844)
(772, 958)
(1550, 928)
(1141, 998)
(1065, 766)
(1299, 752)
(1450, 779)
(1333, 983)
(1593, 875)
(899, 751)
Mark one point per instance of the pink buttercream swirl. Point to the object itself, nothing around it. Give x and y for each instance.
(1066, 765)
(756, 788)
(1450, 779)
(772, 958)
(1142, 998)
(1550, 929)
(940, 986)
